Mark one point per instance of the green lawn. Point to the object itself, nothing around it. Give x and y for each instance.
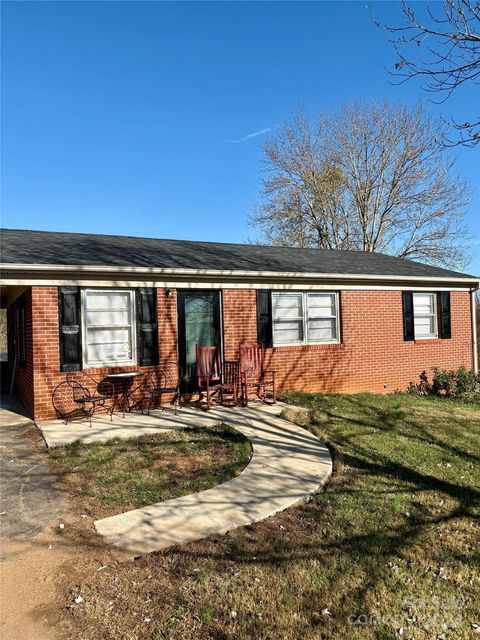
(112, 477)
(389, 549)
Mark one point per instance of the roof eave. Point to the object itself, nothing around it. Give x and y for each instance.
(24, 270)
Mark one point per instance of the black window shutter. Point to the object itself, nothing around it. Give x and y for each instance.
(147, 326)
(408, 323)
(264, 318)
(70, 328)
(445, 315)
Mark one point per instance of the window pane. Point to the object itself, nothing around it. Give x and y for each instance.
(288, 318)
(108, 300)
(108, 353)
(424, 315)
(198, 333)
(322, 330)
(107, 318)
(321, 305)
(289, 331)
(108, 322)
(287, 306)
(423, 303)
(199, 324)
(109, 345)
(424, 326)
(423, 309)
(318, 325)
(108, 335)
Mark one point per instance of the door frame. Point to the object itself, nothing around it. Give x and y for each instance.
(190, 387)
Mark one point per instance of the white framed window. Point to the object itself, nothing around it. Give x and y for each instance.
(322, 317)
(288, 318)
(425, 315)
(108, 321)
(305, 318)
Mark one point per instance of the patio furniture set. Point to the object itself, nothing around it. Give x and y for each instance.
(227, 382)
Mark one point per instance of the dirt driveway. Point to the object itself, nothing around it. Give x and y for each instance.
(41, 564)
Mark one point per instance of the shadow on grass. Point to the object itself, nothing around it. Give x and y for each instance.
(119, 475)
(363, 410)
(345, 551)
(355, 558)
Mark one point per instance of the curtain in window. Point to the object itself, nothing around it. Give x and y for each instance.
(424, 315)
(288, 318)
(108, 317)
(300, 318)
(322, 317)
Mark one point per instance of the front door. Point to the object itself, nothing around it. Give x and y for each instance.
(198, 324)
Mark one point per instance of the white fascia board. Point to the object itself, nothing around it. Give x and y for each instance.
(139, 276)
(222, 273)
(294, 286)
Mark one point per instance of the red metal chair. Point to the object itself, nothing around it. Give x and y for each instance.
(253, 375)
(214, 380)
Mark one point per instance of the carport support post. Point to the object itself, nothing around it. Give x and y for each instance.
(14, 367)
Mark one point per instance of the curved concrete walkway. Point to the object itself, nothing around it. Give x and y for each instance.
(288, 465)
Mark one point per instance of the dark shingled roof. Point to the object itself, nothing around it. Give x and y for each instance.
(52, 248)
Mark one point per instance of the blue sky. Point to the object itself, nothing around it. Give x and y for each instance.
(137, 117)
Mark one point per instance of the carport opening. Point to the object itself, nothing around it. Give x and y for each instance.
(12, 337)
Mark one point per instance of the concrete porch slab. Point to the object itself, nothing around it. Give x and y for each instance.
(56, 433)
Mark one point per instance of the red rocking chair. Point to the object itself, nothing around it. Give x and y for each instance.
(214, 381)
(253, 375)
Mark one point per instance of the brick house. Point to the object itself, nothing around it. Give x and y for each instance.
(333, 321)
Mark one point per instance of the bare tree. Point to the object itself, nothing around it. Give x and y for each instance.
(372, 177)
(303, 190)
(449, 44)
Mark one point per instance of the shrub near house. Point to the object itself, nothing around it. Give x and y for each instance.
(462, 384)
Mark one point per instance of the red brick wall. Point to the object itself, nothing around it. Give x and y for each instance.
(167, 324)
(372, 353)
(239, 311)
(46, 353)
